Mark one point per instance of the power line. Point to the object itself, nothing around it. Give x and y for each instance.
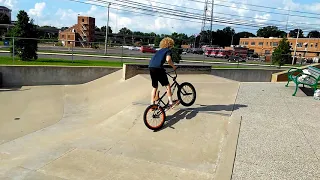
(190, 15)
(254, 5)
(169, 17)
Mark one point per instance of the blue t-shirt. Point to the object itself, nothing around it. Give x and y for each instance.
(159, 58)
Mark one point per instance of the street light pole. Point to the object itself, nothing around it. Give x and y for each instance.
(107, 29)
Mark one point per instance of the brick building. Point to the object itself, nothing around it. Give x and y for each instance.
(80, 34)
(306, 47)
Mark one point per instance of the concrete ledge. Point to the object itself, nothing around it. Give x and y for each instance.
(283, 75)
(1, 80)
(245, 75)
(51, 75)
(131, 70)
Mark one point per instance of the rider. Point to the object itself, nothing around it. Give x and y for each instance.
(158, 73)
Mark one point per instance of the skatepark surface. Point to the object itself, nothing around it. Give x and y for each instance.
(96, 131)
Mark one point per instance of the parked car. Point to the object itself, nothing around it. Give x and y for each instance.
(236, 59)
(149, 49)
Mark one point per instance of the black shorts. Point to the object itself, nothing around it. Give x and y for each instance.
(158, 74)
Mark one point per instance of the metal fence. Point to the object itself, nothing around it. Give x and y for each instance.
(99, 51)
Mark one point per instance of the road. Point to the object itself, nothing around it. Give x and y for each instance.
(137, 59)
(118, 51)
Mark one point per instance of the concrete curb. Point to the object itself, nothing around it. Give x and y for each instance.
(225, 169)
(131, 69)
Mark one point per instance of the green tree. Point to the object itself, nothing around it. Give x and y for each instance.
(281, 55)
(314, 34)
(125, 31)
(157, 40)
(176, 54)
(26, 34)
(103, 29)
(294, 33)
(244, 34)
(270, 31)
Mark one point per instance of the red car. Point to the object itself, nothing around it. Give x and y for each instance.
(149, 49)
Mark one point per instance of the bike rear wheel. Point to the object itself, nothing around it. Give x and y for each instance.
(186, 90)
(151, 113)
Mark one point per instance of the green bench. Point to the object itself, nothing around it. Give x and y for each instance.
(299, 77)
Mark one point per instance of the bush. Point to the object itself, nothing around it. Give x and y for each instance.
(176, 54)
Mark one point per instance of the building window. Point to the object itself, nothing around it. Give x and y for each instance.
(267, 43)
(267, 52)
(82, 20)
(260, 43)
(316, 46)
(270, 43)
(62, 35)
(275, 44)
(299, 45)
(253, 43)
(246, 43)
(68, 36)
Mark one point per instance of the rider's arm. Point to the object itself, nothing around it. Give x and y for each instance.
(169, 60)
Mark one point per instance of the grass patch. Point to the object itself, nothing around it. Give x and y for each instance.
(59, 62)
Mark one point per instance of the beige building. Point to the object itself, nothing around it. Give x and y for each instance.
(306, 47)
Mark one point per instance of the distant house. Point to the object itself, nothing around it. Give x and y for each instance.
(80, 34)
(5, 14)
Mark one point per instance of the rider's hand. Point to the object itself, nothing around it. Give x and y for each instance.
(174, 68)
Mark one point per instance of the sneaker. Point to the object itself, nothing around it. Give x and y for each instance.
(174, 104)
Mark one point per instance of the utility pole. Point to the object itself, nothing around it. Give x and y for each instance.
(107, 29)
(211, 22)
(295, 49)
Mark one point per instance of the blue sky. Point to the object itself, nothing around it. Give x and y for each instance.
(64, 13)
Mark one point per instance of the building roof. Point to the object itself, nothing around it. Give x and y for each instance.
(5, 8)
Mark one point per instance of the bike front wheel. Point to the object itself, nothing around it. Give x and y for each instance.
(186, 94)
(154, 117)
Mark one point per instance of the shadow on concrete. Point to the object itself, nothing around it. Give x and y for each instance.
(7, 89)
(307, 91)
(190, 113)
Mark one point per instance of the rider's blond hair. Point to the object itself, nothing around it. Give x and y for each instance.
(166, 43)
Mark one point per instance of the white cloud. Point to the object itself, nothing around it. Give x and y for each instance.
(37, 10)
(9, 3)
(262, 18)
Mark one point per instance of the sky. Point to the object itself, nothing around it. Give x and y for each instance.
(248, 14)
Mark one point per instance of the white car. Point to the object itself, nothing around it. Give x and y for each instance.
(131, 48)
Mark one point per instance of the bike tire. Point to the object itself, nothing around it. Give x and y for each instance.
(162, 117)
(180, 91)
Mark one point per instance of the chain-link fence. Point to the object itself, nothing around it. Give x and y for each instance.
(137, 52)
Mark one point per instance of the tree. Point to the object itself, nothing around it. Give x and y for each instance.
(157, 40)
(314, 34)
(25, 48)
(281, 55)
(103, 29)
(125, 31)
(244, 34)
(176, 54)
(294, 33)
(270, 31)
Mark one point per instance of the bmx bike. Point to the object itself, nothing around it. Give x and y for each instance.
(156, 111)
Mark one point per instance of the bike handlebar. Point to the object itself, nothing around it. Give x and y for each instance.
(175, 71)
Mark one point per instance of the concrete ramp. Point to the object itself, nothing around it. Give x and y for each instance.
(101, 134)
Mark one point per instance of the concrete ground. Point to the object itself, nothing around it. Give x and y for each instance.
(96, 131)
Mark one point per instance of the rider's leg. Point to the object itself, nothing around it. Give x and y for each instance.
(169, 93)
(153, 95)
